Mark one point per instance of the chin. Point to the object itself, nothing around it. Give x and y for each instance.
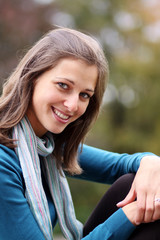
(56, 132)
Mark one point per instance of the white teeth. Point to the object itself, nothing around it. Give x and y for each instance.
(59, 114)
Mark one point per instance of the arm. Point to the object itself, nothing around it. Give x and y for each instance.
(16, 219)
(117, 226)
(105, 167)
(145, 188)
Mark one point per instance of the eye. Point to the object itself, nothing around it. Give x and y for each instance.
(85, 95)
(63, 85)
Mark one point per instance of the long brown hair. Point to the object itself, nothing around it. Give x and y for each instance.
(45, 54)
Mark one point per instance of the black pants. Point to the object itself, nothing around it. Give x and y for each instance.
(107, 206)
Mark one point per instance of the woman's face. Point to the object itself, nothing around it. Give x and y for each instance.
(61, 95)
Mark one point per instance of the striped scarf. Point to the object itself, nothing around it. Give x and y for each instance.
(29, 148)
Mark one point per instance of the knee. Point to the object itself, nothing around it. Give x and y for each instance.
(123, 184)
(126, 179)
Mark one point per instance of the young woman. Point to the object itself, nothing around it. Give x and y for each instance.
(47, 106)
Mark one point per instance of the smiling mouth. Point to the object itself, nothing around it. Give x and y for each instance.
(61, 115)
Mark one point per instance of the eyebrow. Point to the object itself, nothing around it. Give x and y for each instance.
(72, 82)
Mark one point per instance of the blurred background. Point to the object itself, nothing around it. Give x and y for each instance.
(129, 32)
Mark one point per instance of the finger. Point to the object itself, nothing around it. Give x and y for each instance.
(141, 205)
(150, 208)
(128, 199)
(156, 214)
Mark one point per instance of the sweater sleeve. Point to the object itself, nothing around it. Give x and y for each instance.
(106, 167)
(16, 219)
(117, 226)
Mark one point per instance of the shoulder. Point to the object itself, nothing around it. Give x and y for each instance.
(7, 154)
(9, 163)
(5, 151)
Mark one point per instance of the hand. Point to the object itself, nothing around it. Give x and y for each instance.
(130, 210)
(145, 188)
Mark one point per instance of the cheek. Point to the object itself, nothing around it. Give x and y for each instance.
(83, 108)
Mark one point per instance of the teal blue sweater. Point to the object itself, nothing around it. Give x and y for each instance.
(16, 219)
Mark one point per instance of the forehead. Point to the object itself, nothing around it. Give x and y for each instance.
(76, 70)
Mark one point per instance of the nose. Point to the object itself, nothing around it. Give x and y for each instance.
(71, 103)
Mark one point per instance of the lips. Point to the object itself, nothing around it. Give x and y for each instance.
(61, 115)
